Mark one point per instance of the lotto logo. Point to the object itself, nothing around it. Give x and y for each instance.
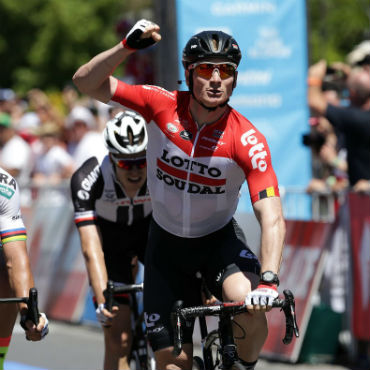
(256, 152)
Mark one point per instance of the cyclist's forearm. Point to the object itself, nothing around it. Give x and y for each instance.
(92, 75)
(270, 216)
(272, 241)
(94, 259)
(19, 270)
(97, 276)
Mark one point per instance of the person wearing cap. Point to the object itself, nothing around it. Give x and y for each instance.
(53, 163)
(200, 152)
(15, 153)
(83, 139)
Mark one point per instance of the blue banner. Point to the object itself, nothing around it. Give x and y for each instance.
(271, 89)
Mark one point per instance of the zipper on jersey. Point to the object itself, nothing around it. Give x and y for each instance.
(186, 215)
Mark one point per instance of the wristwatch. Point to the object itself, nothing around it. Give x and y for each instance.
(269, 277)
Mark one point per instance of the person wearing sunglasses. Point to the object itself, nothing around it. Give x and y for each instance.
(112, 213)
(200, 152)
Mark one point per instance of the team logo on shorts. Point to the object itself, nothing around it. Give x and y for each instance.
(186, 135)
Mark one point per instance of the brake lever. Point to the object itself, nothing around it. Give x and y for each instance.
(176, 324)
(291, 325)
(32, 309)
(108, 294)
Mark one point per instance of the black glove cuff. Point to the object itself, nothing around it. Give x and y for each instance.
(133, 41)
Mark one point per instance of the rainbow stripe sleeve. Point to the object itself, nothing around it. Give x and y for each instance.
(12, 235)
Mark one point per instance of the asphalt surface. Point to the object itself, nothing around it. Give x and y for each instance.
(81, 347)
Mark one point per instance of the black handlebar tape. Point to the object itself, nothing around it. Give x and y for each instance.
(32, 304)
(109, 295)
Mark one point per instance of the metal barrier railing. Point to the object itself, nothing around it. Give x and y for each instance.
(297, 203)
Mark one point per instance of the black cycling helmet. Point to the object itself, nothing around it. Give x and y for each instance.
(211, 44)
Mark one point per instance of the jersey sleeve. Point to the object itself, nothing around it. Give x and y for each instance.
(11, 224)
(254, 157)
(86, 186)
(147, 100)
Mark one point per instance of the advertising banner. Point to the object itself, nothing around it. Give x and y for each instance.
(360, 244)
(301, 272)
(271, 86)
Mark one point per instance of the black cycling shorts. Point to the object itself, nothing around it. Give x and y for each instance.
(171, 265)
(120, 244)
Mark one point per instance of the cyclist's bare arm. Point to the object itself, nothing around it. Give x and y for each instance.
(21, 280)
(19, 270)
(270, 216)
(95, 77)
(94, 258)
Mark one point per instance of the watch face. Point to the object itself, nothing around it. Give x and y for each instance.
(268, 276)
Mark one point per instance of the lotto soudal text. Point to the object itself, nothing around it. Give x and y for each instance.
(189, 175)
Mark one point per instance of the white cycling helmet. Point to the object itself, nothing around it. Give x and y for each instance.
(126, 133)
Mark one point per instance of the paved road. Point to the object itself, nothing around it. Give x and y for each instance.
(80, 347)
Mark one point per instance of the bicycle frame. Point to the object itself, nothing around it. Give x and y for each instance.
(226, 311)
(139, 341)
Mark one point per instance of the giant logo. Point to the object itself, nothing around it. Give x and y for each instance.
(256, 152)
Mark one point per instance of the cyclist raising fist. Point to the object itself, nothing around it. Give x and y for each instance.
(15, 272)
(112, 212)
(200, 152)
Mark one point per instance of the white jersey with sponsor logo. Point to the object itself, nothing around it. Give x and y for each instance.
(194, 175)
(96, 192)
(11, 223)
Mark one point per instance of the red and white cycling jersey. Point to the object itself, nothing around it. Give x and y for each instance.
(194, 175)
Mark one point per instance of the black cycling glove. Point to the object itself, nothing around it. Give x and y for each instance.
(133, 40)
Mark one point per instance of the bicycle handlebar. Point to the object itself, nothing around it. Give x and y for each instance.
(111, 290)
(32, 306)
(287, 305)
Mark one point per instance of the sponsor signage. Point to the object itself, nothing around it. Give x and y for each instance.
(301, 272)
(359, 208)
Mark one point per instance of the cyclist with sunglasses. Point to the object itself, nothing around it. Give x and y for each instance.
(112, 213)
(200, 152)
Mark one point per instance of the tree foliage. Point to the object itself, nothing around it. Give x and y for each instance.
(335, 27)
(42, 42)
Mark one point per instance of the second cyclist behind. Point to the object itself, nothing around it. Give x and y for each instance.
(112, 213)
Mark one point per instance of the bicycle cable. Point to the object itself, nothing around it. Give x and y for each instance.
(241, 328)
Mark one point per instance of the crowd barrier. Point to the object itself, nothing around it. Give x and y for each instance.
(326, 258)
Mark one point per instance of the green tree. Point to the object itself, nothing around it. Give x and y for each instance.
(335, 27)
(42, 42)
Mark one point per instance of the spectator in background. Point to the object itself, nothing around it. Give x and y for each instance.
(15, 153)
(360, 55)
(328, 152)
(7, 99)
(26, 126)
(328, 158)
(40, 103)
(352, 121)
(53, 163)
(83, 141)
